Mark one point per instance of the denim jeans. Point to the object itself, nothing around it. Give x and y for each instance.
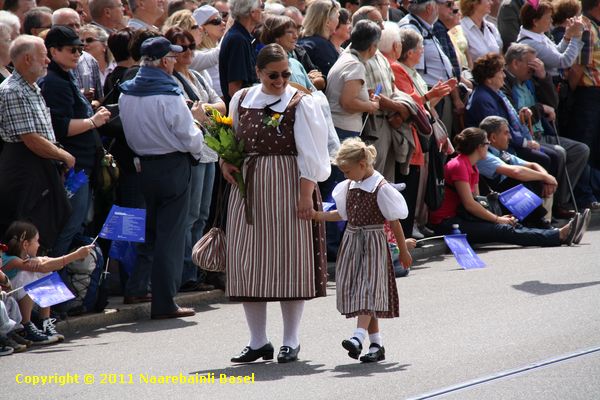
(80, 203)
(201, 186)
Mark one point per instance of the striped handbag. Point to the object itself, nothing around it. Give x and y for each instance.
(209, 252)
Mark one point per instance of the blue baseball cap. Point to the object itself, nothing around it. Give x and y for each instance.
(158, 47)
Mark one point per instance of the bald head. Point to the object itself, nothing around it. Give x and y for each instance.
(67, 17)
(22, 45)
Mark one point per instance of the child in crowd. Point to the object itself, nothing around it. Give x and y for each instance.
(23, 267)
(365, 281)
(10, 317)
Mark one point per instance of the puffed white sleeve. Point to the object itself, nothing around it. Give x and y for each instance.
(391, 203)
(233, 107)
(339, 194)
(310, 133)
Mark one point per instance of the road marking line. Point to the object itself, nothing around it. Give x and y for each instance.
(503, 374)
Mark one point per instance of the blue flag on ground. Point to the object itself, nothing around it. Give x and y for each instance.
(463, 252)
(520, 201)
(48, 291)
(122, 223)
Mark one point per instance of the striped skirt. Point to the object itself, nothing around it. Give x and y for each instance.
(279, 256)
(365, 280)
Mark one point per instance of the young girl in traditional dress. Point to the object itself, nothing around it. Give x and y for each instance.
(365, 281)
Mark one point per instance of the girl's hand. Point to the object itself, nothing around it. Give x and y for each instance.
(34, 263)
(506, 220)
(305, 208)
(411, 243)
(228, 170)
(406, 259)
(101, 117)
(84, 251)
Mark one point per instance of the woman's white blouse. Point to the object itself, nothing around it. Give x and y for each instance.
(481, 43)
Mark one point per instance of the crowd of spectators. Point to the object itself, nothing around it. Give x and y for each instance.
(458, 98)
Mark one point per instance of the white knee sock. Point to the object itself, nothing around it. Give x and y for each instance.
(256, 317)
(375, 338)
(359, 334)
(291, 312)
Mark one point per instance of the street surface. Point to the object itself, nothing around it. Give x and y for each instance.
(525, 327)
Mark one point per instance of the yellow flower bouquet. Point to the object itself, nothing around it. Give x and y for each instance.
(221, 139)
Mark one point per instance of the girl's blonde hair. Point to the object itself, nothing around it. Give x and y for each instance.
(182, 19)
(353, 150)
(318, 13)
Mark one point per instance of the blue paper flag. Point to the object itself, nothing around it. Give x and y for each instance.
(122, 223)
(74, 181)
(520, 201)
(48, 291)
(125, 253)
(463, 252)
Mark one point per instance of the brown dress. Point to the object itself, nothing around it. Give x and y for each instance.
(272, 255)
(365, 280)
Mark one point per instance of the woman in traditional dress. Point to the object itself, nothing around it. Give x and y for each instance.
(274, 251)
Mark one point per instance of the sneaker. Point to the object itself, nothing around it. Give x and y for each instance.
(19, 339)
(416, 233)
(5, 350)
(586, 216)
(33, 333)
(49, 329)
(16, 346)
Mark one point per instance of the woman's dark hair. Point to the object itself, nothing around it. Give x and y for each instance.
(175, 34)
(364, 34)
(344, 17)
(118, 43)
(269, 54)
(274, 27)
(16, 234)
(136, 42)
(486, 67)
(469, 140)
(530, 13)
(565, 9)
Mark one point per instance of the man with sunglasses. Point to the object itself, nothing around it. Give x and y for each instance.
(30, 148)
(167, 142)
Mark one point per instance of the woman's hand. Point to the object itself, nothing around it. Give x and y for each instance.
(506, 220)
(374, 100)
(304, 208)
(198, 111)
(405, 259)
(228, 170)
(101, 117)
(411, 243)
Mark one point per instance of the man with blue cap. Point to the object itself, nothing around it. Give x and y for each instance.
(161, 130)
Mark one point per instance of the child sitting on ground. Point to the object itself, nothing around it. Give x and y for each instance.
(20, 261)
(365, 281)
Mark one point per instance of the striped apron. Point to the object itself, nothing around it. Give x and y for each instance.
(272, 255)
(365, 280)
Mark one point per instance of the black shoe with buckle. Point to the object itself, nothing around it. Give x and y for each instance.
(248, 354)
(287, 354)
(353, 350)
(378, 355)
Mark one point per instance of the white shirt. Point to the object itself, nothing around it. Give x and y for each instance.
(310, 128)
(165, 126)
(481, 43)
(391, 203)
(208, 59)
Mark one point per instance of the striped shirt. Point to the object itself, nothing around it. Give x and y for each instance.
(590, 57)
(23, 110)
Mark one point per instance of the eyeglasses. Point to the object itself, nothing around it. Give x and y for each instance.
(224, 14)
(217, 21)
(455, 11)
(74, 50)
(275, 75)
(449, 4)
(191, 46)
(90, 40)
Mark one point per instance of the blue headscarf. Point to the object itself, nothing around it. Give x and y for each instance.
(150, 81)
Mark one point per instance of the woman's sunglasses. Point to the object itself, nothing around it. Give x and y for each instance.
(275, 75)
(217, 21)
(76, 50)
(89, 40)
(191, 46)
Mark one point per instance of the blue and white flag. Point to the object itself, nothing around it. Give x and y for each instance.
(127, 224)
(463, 252)
(520, 201)
(48, 291)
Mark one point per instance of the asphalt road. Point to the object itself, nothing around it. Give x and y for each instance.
(525, 327)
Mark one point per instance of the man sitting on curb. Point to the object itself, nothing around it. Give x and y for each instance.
(502, 171)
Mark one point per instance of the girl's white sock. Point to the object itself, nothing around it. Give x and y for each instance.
(256, 317)
(291, 311)
(359, 334)
(375, 338)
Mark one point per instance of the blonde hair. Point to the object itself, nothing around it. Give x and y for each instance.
(318, 13)
(353, 150)
(182, 19)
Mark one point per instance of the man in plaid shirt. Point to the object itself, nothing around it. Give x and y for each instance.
(30, 184)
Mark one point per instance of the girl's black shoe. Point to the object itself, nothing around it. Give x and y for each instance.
(249, 355)
(378, 355)
(353, 350)
(287, 354)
